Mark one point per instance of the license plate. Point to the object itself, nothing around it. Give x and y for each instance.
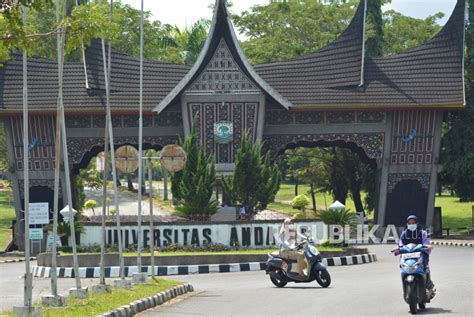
(412, 255)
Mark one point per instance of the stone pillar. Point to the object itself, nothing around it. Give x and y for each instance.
(186, 119)
(435, 167)
(261, 118)
(12, 175)
(384, 171)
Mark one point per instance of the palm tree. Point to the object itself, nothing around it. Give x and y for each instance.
(190, 40)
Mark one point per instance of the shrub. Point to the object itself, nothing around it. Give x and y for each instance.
(91, 204)
(300, 202)
(196, 181)
(339, 217)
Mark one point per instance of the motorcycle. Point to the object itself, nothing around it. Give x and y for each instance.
(279, 268)
(416, 292)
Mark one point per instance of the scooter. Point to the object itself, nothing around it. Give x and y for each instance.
(414, 276)
(279, 268)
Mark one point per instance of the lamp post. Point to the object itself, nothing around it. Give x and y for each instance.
(68, 213)
(337, 206)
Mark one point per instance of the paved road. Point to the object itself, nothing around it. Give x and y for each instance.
(128, 204)
(370, 289)
(129, 207)
(11, 285)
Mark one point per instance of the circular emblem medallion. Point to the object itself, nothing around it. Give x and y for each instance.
(126, 159)
(223, 132)
(173, 158)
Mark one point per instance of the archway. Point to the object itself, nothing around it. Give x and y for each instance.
(408, 197)
(96, 149)
(346, 166)
(361, 152)
(88, 186)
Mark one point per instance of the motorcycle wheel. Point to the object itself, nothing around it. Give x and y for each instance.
(277, 281)
(323, 278)
(411, 298)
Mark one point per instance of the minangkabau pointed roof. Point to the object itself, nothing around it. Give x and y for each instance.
(221, 28)
(428, 76)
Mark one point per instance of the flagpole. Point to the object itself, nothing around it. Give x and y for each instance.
(78, 292)
(104, 208)
(140, 150)
(152, 228)
(57, 169)
(114, 170)
(109, 126)
(26, 180)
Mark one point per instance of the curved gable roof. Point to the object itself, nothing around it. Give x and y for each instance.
(430, 75)
(221, 28)
(339, 64)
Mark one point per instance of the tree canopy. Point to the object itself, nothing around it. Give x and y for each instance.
(284, 30)
(90, 20)
(403, 32)
(37, 33)
(457, 151)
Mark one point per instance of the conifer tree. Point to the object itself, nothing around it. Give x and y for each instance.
(256, 180)
(457, 150)
(194, 184)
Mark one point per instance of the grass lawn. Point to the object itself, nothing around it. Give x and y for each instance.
(287, 192)
(7, 214)
(98, 304)
(166, 205)
(455, 213)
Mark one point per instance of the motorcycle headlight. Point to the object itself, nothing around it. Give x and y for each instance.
(313, 250)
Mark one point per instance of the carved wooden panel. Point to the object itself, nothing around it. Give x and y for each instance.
(243, 115)
(413, 137)
(371, 143)
(41, 142)
(222, 75)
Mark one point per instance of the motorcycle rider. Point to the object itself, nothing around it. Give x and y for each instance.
(414, 233)
(287, 246)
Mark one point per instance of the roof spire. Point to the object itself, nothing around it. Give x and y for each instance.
(221, 28)
(364, 28)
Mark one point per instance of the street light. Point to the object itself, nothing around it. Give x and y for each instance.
(68, 213)
(337, 206)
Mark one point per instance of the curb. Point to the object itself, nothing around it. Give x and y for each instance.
(17, 260)
(149, 302)
(94, 272)
(453, 244)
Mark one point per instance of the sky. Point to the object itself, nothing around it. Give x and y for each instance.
(185, 12)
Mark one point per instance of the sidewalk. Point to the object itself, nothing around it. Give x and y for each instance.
(455, 241)
(12, 257)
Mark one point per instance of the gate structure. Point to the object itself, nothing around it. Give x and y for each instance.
(390, 109)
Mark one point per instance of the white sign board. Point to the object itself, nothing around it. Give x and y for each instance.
(36, 234)
(39, 213)
(247, 234)
(50, 241)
